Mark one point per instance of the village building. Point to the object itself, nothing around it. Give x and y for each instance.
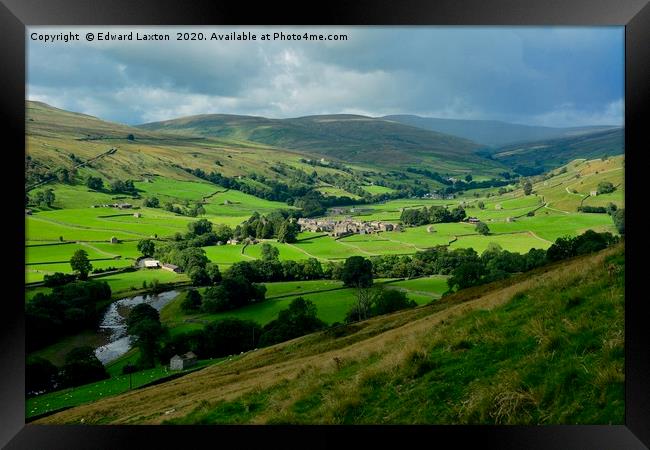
(171, 268)
(232, 241)
(182, 362)
(344, 227)
(28, 212)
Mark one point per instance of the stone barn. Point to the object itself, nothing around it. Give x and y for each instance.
(182, 362)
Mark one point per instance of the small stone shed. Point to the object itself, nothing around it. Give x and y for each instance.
(182, 362)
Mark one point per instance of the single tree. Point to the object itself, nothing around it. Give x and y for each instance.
(144, 324)
(269, 252)
(482, 228)
(81, 264)
(528, 187)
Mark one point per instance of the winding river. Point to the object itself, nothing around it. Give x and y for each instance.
(113, 324)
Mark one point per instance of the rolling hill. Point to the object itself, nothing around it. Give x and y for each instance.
(492, 132)
(548, 154)
(57, 139)
(349, 138)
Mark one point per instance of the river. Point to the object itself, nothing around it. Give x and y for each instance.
(113, 324)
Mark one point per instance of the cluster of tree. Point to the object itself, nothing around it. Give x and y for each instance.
(274, 190)
(376, 301)
(618, 217)
(58, 279)
(68, 309)
(605, 187)
(433, 214)
(270, 269)
(298, 319)
(44, 198)
(185, 251)
(123, 187)
(224, 337)
(592, 209)
(115, 186)
(151, 202)
(588, 242)
(279, 224)
(81, 366)
(188, 209)
(300, 192)
(232, 336)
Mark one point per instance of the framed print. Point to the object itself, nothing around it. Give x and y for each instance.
(381, 222)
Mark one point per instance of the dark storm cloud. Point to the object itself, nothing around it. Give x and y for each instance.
(548, 76)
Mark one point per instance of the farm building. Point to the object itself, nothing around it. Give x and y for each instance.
(28, 212)
(593, 193)
(151, 263)
(137, 215)
(510, 219)
(171, 268)
(182, 362)
(114, 240)
(232, 241)
(473, 220)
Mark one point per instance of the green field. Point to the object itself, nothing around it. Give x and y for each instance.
(331, 298)
(287, 251)
(375, 189)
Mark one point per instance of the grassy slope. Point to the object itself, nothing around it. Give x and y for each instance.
(544, 347)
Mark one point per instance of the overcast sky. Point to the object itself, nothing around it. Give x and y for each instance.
(554, 76)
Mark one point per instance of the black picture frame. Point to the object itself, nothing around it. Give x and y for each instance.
(633, 14)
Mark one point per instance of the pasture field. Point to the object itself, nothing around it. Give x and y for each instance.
(325, 248)
(554, 226)
(226, 254)
(167, 189)
(287, 251)
(59, 253)
(231, 203)
(285, 288)
(331, 191)
(375, 189)
(331, 298)
(123, 283)
(79, 196)
(117, 384)
(37, 272)
(513, 242)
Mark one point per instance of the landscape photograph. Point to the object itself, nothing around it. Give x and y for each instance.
(325, 225)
